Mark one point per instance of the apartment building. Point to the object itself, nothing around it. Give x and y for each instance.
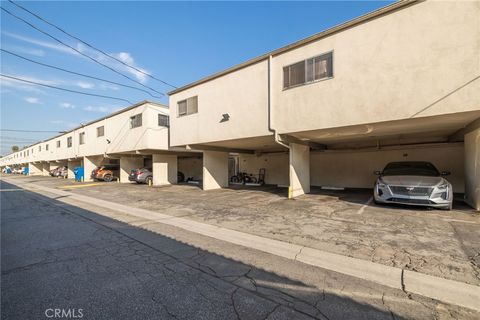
(133, 137)
(400, 83)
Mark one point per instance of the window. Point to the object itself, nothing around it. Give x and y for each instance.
(136, 121)
(308, 71)
(188, 106)
(163, 120)
(81, 138)
(58, 143)
(39, 148)
(100, 131)
(69, 142)
(28, 152)
(46, 147)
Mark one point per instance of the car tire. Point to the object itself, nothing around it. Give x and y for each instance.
(107, 178)
(149, 180)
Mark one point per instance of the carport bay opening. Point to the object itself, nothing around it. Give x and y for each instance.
(355, 168)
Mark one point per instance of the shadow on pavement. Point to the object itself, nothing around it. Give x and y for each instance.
(56, 255)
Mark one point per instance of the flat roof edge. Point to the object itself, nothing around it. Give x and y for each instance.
(338, 28)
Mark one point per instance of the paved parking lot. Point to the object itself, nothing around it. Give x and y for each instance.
(440, 243)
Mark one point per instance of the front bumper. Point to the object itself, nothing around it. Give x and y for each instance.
(436, 199)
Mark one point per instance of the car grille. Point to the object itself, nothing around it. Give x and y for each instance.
(412, 201)
(411, 191)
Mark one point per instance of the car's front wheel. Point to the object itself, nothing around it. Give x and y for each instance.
(107, 178)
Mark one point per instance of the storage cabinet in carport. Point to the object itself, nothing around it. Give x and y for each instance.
(79, 173)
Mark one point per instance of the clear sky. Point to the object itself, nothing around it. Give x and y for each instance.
(178, 42)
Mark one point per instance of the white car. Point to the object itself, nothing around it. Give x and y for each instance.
(413, 183)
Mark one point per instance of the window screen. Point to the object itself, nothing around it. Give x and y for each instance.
(307, 71)
(81, 138)
(136, 121)
(69, 142)
(188, 106)
(100, 131)
(163, 120)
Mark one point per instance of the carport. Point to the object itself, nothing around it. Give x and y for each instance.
(164, 164)
(346, 157)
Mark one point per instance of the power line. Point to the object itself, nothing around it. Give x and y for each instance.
(91, 46)
(78, 51)
(19, 130)
(77, 73)
(63, 89)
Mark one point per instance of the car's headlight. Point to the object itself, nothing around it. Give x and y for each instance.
(443, 186)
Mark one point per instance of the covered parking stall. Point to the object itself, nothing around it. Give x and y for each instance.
(346, 157)
(165, 165)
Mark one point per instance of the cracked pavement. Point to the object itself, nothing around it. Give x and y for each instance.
(435, 242)
(60, 255)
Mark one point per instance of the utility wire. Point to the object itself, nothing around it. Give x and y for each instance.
(77, 73)
(91, 46)
(18, 130)
(78, 51)
(63, 89)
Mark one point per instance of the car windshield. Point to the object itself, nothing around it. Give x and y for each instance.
(410, 169)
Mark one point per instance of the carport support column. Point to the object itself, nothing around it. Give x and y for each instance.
(127, 164)
(472, 167)
(215, 170)
(35, 169)
(46, 169)
(89, 164)
(165, 169)
(71, 165)
(299, 170)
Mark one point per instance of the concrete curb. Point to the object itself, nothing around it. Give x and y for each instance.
(449, 291)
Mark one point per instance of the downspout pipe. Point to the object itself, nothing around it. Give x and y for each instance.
(269, 101)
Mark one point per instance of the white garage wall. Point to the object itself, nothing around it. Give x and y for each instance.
(354, 169)
(191, 167)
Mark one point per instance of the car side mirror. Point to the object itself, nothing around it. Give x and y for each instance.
(445, 173)
(377, 173)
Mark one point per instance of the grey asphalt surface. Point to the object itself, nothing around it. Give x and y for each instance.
(61, 256)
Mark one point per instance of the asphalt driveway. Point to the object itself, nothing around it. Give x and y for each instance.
(440, 243)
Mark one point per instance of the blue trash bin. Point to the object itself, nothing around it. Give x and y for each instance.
(79, 174)
(26, 171)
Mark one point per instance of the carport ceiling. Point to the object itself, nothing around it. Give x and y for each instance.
(423, 129)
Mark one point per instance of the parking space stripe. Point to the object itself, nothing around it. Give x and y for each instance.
(360, 211)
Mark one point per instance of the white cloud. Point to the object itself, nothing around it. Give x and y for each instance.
(67, 105)
(32, 100)
(97, 109)
(25, 50)
(105, 86)
(128, 59)
(85, 85)
(45, 44)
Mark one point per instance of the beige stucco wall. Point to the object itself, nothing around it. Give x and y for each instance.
(242, 94)
(117, 130)
(354, 169)
(387, 69)
(191, 167)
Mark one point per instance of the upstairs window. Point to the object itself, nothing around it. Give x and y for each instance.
(100, 131)
(58, 143)
(46, 147)
(81, 138)
(188, 106)
(136, 121)
(163, 120)
(39, 148)
(308, 71)
(69, 142)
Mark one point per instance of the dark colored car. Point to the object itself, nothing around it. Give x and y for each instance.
(142, 175)
(107, 172)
